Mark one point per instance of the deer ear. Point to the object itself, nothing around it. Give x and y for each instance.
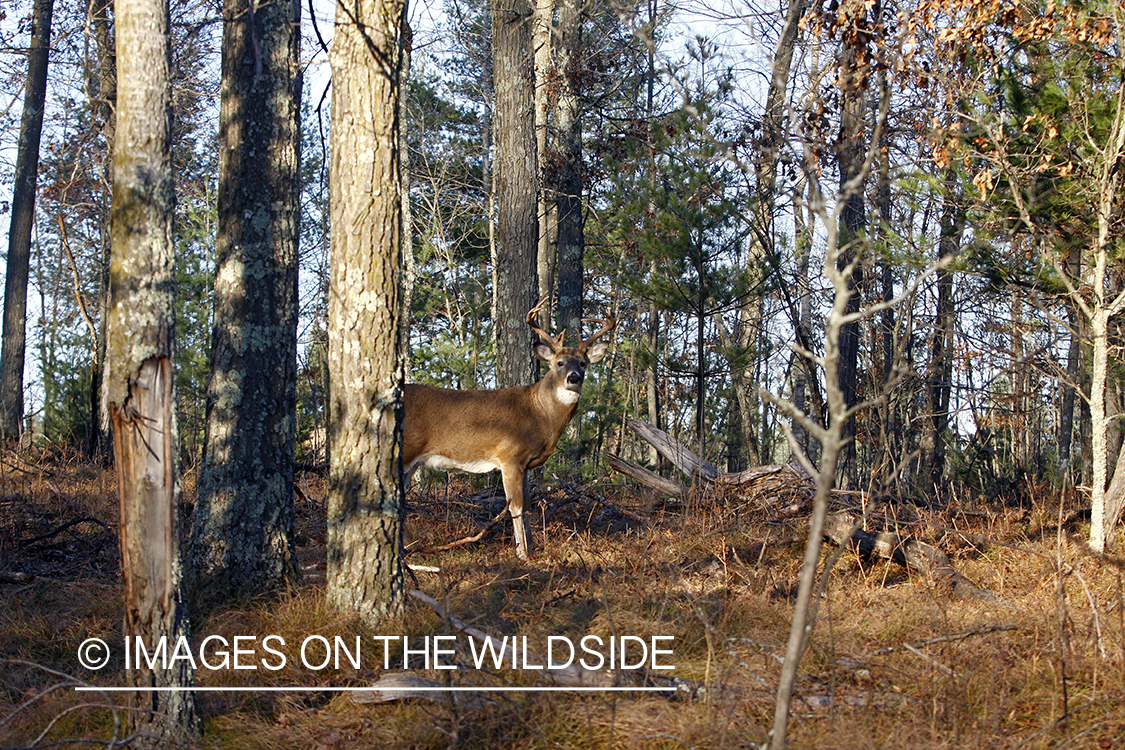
(544, 352)
(597, 351)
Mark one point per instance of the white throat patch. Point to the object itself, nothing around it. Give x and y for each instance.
(566, 396)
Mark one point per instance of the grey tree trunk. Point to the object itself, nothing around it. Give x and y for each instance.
(138, 395)
(514, 176)
(242, 537)
(14, 340)
(365, 504)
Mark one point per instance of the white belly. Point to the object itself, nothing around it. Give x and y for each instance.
(441, 463)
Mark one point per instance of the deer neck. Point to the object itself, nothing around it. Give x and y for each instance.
(552, 396)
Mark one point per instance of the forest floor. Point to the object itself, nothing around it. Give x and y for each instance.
(895, 661)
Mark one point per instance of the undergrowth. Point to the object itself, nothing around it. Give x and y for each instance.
(894, 661)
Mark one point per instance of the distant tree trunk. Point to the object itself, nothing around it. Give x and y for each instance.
(652, 333)
(940, 378)
(774, 134)
(804, 327)
(14, 340)
(242, 537)
(409, 267)
(1073, 364)
(104, 122)
(138, 392)
(365, 504)
(854, 74)
(652, 385)
(542, 45)
(568, 168)
(515, 171)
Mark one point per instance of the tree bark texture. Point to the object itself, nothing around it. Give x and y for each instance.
(542, 46)
(514, 174)
(565, 169)
(365, 565)
(139, 377)
(854, 74)
(14, 340)
(242, 541)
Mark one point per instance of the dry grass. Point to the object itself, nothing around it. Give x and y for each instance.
(885, 667)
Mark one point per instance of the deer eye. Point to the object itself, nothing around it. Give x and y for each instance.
(559, 364)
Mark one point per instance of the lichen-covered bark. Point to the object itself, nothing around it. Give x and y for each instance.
(138, 385)
(242, 540)
(365, 568)
(515, 174)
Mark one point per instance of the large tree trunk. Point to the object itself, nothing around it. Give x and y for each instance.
(515, 171)
(14, 340)
(138, 385)
(567, 175)
(365, 504)
(242, 540)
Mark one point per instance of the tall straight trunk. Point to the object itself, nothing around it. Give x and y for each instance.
(242, 540)
(515, 172)
(1105, 507)
(774, 136)
(365, 502)
(570, 241)
(542, 44)
(409, 266)
(104, 122)
(14, 342)
(851, 153)
(802, 378)
(939, 386)
(652, 386)
(138, 395)
(1073, 364)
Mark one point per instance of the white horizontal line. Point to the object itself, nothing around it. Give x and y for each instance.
(310, 689)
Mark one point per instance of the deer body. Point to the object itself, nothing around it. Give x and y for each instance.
(513, 429)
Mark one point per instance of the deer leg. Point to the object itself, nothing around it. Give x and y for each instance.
(515, 488)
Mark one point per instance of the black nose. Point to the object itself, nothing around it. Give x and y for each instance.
(574, 378)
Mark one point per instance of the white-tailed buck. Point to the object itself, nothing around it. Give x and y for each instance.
(513, 429)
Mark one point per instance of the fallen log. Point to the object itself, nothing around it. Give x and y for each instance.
(842, 528)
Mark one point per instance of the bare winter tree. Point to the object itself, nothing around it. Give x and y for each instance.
(365, 567)
(138, 395)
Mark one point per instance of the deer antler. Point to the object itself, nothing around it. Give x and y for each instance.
(556, 343)
(608, 324)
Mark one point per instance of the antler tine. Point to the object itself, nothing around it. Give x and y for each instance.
(608, 324)
(554, 342)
